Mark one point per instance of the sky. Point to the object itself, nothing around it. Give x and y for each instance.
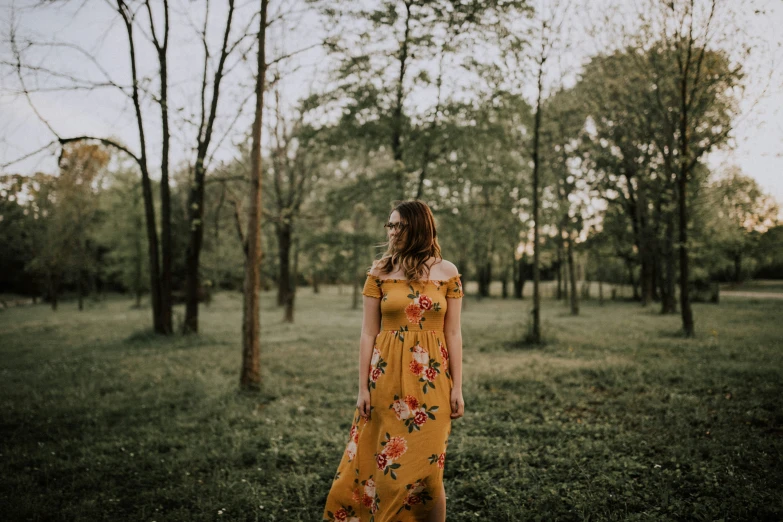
(91, 24)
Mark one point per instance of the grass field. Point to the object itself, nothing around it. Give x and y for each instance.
(756, 286)
(616, 418)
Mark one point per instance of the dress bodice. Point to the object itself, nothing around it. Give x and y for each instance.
(413, 305)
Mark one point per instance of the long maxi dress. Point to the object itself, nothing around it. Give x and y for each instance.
(392, 466)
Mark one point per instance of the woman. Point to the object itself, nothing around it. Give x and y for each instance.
(410, 380)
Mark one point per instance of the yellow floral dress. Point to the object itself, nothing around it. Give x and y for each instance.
(392, 467)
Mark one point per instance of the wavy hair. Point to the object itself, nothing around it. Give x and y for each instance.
(415, 243)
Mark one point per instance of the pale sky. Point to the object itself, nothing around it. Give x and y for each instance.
(758, 137)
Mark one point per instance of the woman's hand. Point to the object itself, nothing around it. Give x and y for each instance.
(363, 403)
(457, 403)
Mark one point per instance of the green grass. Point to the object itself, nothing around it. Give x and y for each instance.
(761, 285)
(616, 418)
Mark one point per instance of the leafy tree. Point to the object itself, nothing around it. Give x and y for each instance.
(386, 51)
(121, 233)
(731, 213)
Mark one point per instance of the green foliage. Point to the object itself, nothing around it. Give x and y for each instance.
(769, 254)
(123, 234)
(25, 205)
(730, 217)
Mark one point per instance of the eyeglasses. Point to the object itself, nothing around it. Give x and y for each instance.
(394, 226)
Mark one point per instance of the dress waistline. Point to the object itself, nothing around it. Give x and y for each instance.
(407, 332)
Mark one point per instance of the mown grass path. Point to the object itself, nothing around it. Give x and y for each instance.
(617, 418)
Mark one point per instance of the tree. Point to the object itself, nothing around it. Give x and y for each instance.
(65, 208)
(694, 101)
(295, 166)
(160, 291)
(82, 168)
(161, 50)
(561, 137)
(250, 376)
(385, 52)
(619, 151)
(734, 211)
(121, 232)
(547, 34)
(26, 207)
(205, 131)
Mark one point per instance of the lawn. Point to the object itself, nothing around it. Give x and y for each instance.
(616, 418)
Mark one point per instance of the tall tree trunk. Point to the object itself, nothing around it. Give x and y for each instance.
(146, 183)
(631, 278)
(572, 276)
(641, 236)
(535, 327)
(193, 253)
(484, 277)
(161, 46)
(291, 293)
(656, 274)
(668, 300)
(685, 302)
(165, 196)
(356, 272)
(138, 264)
(684, 158)
(504, 282)
(152, 248)
(656, 247)
(560, 256)
(80, 288)
(284, 236)
(519, 288)
(397, 114)
(54, 290)
(196, 195)
(250, 377)
(738, 267)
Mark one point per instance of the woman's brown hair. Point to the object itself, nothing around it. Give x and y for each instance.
(415, 243)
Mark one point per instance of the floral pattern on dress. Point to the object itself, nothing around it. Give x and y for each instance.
(444, 354)
(420, 303)
(342, 515)
(456, 290)
(365, 494)
(350, 449)
(440, 459)
(411, 412)
(399, 333)
(393, 449)
(424, 367)
(377, 367)
(417, 494)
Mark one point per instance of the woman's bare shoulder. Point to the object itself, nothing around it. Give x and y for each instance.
(374, 269)
(445, 270)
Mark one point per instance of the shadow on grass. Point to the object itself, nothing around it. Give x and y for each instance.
(522, 337)
(678, 334)
(148, 338)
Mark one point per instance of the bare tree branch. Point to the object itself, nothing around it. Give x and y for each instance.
(28, 155)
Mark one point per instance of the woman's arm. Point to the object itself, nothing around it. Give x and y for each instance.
(371, 327)
(452, 330)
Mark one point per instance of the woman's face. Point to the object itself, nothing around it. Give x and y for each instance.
(394, 218)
